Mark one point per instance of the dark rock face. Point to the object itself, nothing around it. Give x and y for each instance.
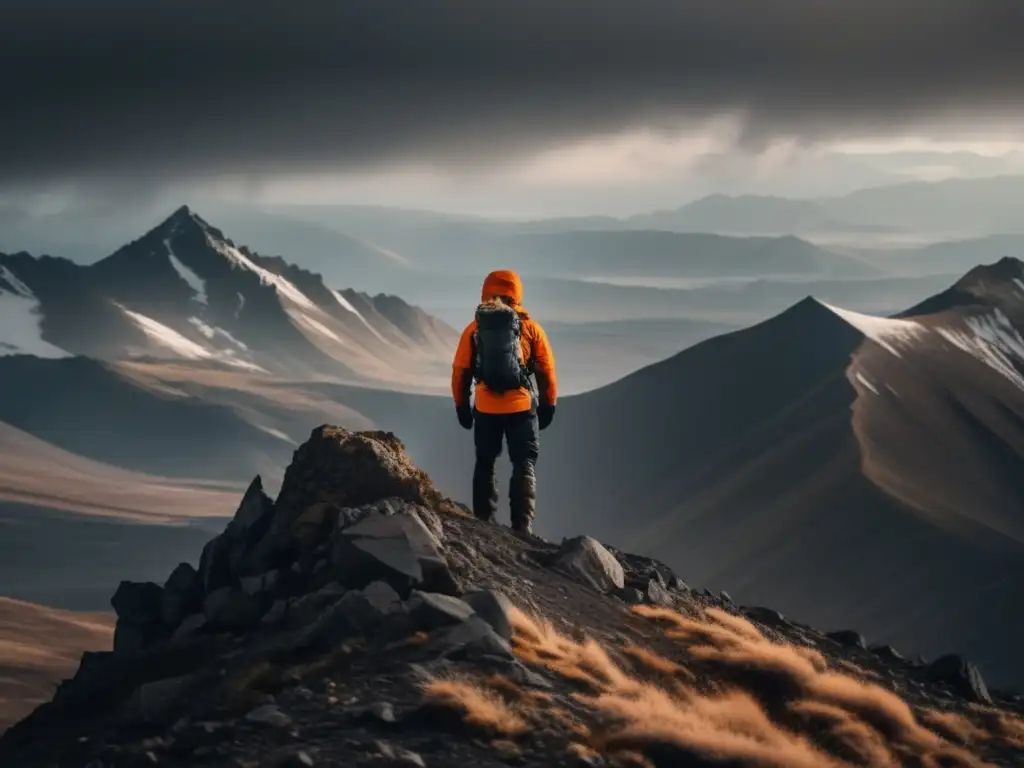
(352, 512)
(139, 621)
(962, 676)
(848, 638)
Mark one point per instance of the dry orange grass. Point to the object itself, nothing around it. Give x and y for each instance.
(954, 726)
(783, 706)
(1001, 725)
(479, 706)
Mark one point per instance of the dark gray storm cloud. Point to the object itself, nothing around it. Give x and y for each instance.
(139, 87)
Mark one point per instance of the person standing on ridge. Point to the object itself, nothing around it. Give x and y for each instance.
(500, 350)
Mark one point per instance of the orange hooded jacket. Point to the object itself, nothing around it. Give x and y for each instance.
(535, 345)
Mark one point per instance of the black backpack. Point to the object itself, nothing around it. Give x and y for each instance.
(498, 359)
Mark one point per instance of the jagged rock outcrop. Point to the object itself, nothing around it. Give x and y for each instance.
(353, 510)
(362, 619)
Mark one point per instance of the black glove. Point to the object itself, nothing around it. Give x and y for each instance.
(465, 414)
(545, 413)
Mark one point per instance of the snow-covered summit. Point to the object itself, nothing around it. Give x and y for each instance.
(21, 331)
(185, 291)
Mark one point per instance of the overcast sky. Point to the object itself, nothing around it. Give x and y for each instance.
(503, 106)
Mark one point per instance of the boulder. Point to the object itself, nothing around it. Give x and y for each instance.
(656, 594)
(137, 602)
(351, 469)
(231, 609)
(153, 702)
(398, 547)
(277, 613)
(139, 621)
(587, 560)
(471, 639)
(262, 583)
(214, 565)
(494, 608)
(767, 616)
(848, 638)
(629, 595)
(886, 652)
(960, 675)
(679, 585)
(182, 595)
(130, 637)
(269, 714)
(190, 625)
(238, 550)
(395, 756)
(359, 612)
(307, 608)
(429, 610)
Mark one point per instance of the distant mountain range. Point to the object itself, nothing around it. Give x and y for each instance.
(186, 292)
(832, 463)
(376, 248)
(932, 209)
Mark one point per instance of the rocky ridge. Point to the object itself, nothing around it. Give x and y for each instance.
(361, 618)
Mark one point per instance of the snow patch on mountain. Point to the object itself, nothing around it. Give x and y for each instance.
(169, 339)
(307, 322)
(863, 380)
(993, 340)
(20, 329)
(196, 283)
(886, 332)
(16, 285)
(348, 305)
(239, 260)
(1020, 283)
(212, 333)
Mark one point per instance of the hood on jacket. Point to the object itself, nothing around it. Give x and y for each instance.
(503, 282)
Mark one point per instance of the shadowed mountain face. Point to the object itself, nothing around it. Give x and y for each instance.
(839, 464)
(185, 292)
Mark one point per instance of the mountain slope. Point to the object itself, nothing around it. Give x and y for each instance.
(361, 618)
(184, 291)
(35, 473)
(748, 214)
(974, 206)
(831, 462)
(87, 408)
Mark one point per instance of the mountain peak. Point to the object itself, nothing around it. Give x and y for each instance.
(183, 216)
(1006, 270)
(1000, 284)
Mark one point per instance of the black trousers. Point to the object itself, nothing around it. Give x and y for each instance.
(521, 432)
